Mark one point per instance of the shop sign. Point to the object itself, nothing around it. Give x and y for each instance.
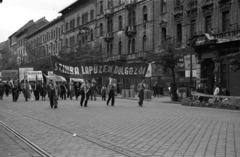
(180, 64)
(187, 62)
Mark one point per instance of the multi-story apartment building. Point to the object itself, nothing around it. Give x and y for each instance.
(212, 27)
(124, 29)
(128, 29)
(3, 48)
(79, 23)
(47, 39)
(23, 32)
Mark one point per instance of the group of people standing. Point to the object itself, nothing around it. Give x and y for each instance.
(216, 91)
(158, 90)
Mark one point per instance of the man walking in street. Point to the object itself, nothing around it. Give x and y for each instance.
(111, 94)
(27, 91)
(141, 88)
(94, 91)
(104, 92)
(7, 88)
(53, 95)
(14, 91)
(71, 89)
(63, 91)
(85, 93)
(1, 90)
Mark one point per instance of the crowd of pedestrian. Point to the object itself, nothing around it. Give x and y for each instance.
(55, 91)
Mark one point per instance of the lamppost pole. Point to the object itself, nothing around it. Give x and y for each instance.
(191, 73)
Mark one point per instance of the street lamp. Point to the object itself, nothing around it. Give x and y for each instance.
(190, 44)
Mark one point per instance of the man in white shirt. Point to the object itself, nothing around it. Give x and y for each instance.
(216, 91)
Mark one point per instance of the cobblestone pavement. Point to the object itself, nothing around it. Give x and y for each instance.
(155, 130)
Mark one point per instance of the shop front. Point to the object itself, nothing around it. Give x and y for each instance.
(215, 66)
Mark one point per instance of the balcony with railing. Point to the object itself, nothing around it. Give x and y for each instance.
(135, 56)
(178, 9)
(192, 9)
(227, 35)
(192, 4)
(125, 57)
(178, 13)
(121, 58)
(131, 31)
(108, 13)
(130, 4)
(108, 37)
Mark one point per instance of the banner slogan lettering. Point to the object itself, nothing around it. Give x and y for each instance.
(94, 70)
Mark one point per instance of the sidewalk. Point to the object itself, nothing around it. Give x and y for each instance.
(164, 99)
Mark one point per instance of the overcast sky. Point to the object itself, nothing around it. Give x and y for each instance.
(16, 13)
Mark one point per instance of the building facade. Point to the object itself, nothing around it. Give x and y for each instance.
(22, 33)
(127, 30)
(47, 40)
(124, 29)
(212, 28)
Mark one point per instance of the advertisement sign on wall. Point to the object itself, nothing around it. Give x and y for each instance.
(187, 62)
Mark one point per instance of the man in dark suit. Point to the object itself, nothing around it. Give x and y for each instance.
(111, 94)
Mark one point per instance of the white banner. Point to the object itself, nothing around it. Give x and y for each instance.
(149, 71)
(57, 78)
(21, 72)
(34, 76)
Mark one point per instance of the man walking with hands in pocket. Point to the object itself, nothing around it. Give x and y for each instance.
(141, 86)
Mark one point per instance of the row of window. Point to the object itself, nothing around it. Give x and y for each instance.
(131, 47)
(52, 49)
(21, 42)
(113, 3)
(207, 27)
(84, 19)
(21, 52)
(53, 34)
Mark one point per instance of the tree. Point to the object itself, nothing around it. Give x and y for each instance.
(8, 60)
(82, 53)
(37, 57)
(168, 58)
(234, 61)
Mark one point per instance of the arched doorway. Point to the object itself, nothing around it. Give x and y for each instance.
(207, 71)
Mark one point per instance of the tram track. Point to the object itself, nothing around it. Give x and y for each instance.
(103, 144)
(26, 141)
